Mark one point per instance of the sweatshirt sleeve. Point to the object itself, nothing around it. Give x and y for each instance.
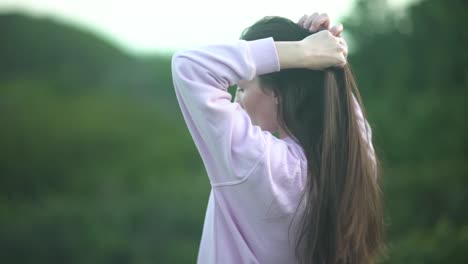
(229, 145)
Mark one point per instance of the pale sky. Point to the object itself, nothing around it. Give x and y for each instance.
(141, 26)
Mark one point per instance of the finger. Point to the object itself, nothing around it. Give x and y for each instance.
(341, 61)
(302, 20)
(311, 27)
(323, 26)
(337, 39)
(326, 25)
(342, 47)
(322, 20)
(343, 43)
(345, 52)
(336, 30)
(309, 20)
(345, 61)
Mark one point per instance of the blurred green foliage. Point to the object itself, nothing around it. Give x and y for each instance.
(97, 166)
(411, 69)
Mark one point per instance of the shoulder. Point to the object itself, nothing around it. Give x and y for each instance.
(283, 160)
(284, 171)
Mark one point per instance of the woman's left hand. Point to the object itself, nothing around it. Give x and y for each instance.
(315, 22)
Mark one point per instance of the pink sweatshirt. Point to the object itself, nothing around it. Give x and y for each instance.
(256, 178)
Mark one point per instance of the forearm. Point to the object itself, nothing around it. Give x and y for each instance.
(290, 54)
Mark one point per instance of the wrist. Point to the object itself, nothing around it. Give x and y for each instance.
(290, 54)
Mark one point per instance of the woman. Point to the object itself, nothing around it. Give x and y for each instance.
(293, 152)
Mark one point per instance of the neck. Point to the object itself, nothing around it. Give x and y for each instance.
(282, 133)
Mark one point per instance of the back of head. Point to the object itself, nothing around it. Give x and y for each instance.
(343, 220)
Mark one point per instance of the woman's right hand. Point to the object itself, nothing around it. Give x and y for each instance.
(323, 50)
(319, 22)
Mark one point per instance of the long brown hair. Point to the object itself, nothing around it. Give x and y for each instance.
(343, 217)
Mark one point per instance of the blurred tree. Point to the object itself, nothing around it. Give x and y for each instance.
(413, 75)
(96, 166)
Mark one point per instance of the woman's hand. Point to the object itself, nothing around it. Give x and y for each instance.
(317, 51)
(323, 50)
(318, 22)
(315, 22)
